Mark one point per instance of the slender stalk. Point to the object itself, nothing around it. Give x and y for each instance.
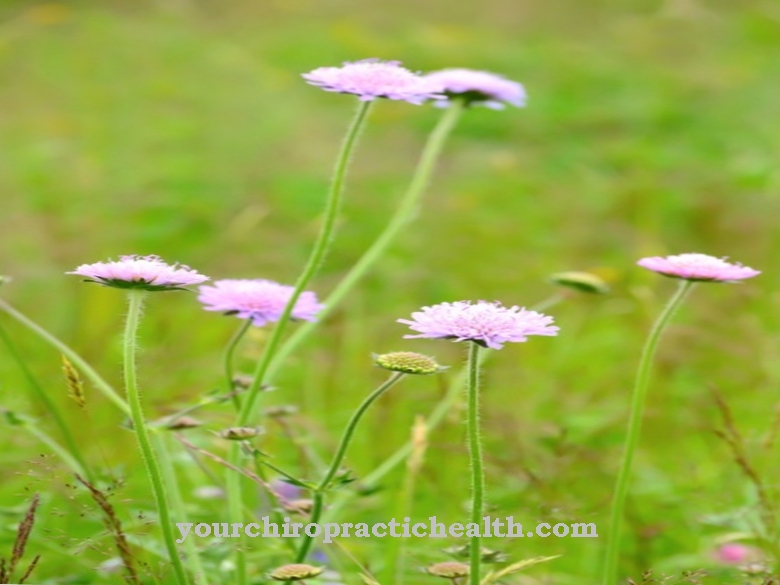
(177, 507)
(51, 407)
(395, 552)
(437, 416)
(332, 205)
(227, 361)
(475, 456)
(136, 299)
(634, 430)
(404, 214)
(75, 358)
(319, 492)
(321, 246)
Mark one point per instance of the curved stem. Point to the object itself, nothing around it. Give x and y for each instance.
(403, 215)
(332, 205)
(437, 416)
(321, 246)
(341, 451)
(634, 429)
(136, 299)
(75, 358)
(227, 361)
(475, 456)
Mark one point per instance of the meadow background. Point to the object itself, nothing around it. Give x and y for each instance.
(182, 128)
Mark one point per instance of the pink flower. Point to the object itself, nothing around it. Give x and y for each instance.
(479, 87)
(698, 267)
(371, 78)
(140, 272)
(488, 324)
(262, 301)
(733, 553)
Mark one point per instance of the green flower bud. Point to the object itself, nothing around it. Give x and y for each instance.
(407, 362)
(581, 281)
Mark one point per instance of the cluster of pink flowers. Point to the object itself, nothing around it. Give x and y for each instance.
(372, 78)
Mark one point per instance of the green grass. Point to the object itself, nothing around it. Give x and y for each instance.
(183, 129)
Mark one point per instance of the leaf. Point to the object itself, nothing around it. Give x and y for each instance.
(495, 576)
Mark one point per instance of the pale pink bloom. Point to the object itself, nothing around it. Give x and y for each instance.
(488, 324)
(262, 301)
(371, 78)
(479, 87)
(698, 267)
(140, 272)
(732, 553)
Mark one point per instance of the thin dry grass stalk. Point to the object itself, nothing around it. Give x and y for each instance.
(20, 544)
(114, 526)
(736, 442)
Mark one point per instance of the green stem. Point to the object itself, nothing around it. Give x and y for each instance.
(634, 429)
(332, 205)
(227, 361)
(335, 464)
(136, 299)
(475, 456)
(321, 246)
(177, 506)
(437, 416)
(51, 407)
(75, 358)
(403, 215)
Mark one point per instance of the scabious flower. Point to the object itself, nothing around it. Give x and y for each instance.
(372, 78)
(488, 324)
(262, 301)
(733, 553)
(699, 267)
(479, 87)
(140, 272)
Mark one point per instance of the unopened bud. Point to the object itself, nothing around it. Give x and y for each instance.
(281, 411)
(581, 281)
(449, 570)
(297, 572)
(183, 423)
(407, 362)
(239, 433)
(301, 506)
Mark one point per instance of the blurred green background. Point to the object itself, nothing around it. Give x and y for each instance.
(182, 128)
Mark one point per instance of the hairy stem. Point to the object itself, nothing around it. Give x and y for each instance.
(335, 464)
(634, 430)
(321, 246)
(404, 214)
(475, 456)
(136, 299)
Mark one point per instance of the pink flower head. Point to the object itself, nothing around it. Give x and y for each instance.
(488, 324)
(140, 272)
(371, 78)
(733, 553)
(698, 267)
(480, 87)
(262, 301)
